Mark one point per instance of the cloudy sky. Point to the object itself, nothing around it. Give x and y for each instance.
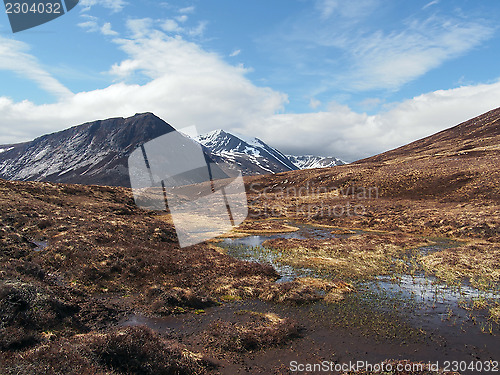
(341, 78)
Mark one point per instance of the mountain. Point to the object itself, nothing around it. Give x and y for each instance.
(92, 153)
(477, 137)
(459, 164)
(312, 161)
(252, 157)
(96, 153)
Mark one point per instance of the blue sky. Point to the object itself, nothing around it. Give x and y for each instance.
(342, 78)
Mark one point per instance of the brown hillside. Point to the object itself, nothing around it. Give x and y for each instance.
(476, 137)
(459, 164)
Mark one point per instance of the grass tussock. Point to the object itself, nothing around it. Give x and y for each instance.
(495, 314)
(257, 287)
(265, 226)
(176, 300)
(27, 311)
(131, 350)
(254, 331)
(479, 263)
(334, 290)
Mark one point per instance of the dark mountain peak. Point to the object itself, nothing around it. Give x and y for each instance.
(91, 153)
(144, 114)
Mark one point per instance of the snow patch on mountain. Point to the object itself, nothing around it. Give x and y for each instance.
(250, 156)
(313, 161)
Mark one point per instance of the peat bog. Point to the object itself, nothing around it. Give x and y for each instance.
(394, 258)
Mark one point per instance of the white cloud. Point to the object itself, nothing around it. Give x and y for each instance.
(107, 30)
(186, 86)
(235, 53)
(327, 7)
(347, 9)
(187, 9)
(344, 133)
(90, 26)
(171, 26)
(358, 54)
(14, 57)
(198, 30)
(140, 27)
(390, 60)
(434, 2)
(114, 5)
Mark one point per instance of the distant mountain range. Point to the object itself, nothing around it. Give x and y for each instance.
(97, 153)
(311, 161)
(253, 156)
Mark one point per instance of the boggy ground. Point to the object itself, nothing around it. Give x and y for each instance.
(77, 262)
(349, 258)
(445, 185)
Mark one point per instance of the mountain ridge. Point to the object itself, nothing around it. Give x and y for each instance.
(250, 156)
(96, 152)
(232, 148)
(91, 153)
(458, 164)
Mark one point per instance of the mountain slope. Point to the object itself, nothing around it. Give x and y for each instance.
(251, 157)
(460, 164)
(92, 153)
(479, 136)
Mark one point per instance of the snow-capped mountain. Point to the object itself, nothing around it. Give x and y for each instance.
(96, 153)
(93, 153)
(312, 161)
(253, 156)
(250, 156)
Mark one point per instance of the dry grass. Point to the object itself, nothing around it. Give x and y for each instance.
(495, 314)
(334, 290)
(265, 226)
(477, 262)
(132, 350)
(253, 331)
(361, 256)
(257, 287)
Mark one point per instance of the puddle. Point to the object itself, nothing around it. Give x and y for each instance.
(430, 303)
(164, 325)
(40, 245)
